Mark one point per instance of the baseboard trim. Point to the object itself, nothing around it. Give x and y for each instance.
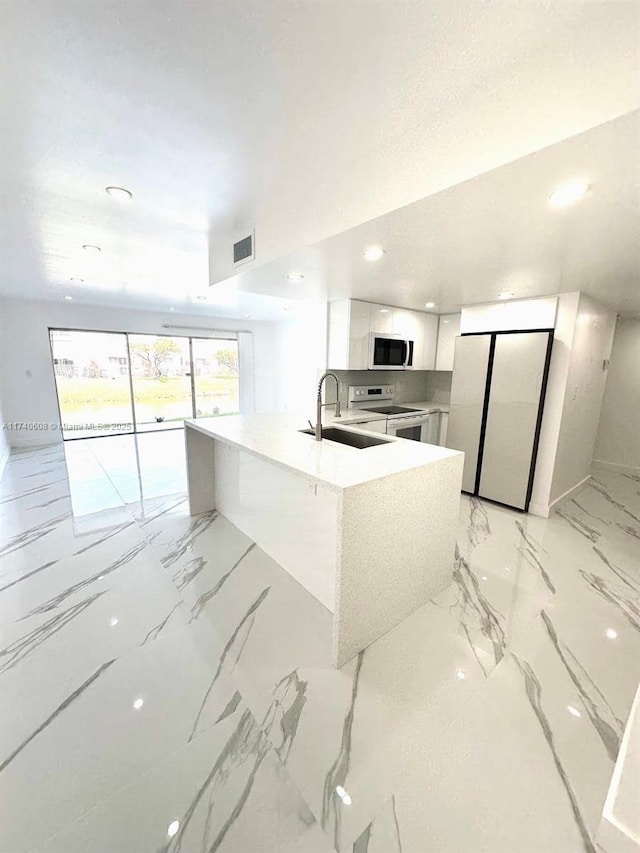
(544, 510)
(614, 466)
(554, 505)
(541, 510)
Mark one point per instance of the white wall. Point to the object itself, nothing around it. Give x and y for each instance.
(4, 442)
(618, 439)
(566, 314)
(302, 357)
(27, 384)
(4, 435)
(592, 340)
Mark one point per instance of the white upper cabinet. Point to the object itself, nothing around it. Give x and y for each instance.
(351, 321)
(448, 330)
(359, 325)
(422, 329)
(382, 319)
(429, 342)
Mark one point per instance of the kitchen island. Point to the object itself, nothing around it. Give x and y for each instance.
(369, 532)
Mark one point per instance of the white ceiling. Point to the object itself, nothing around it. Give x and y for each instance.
(493, 233)
(301, 118)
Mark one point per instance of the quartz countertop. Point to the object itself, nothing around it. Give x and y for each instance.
(351, 415)
(276, 438)
(428, 405)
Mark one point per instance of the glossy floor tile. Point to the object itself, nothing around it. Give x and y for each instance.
(167, 686)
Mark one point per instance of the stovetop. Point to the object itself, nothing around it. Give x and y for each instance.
(392, 410)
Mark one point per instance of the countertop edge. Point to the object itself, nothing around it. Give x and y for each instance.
(313, 478)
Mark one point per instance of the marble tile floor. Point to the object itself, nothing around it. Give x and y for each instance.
(165, 686)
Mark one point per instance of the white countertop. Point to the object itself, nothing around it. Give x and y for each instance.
(350, 416)
(276, 437)
(353, 416)
(428, 405)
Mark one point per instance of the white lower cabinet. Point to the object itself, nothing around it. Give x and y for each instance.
(442, 433)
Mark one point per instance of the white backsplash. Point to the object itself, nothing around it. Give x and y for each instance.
(409, 385)
(439, 385)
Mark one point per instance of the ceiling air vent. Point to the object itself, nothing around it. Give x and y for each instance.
(243, 250)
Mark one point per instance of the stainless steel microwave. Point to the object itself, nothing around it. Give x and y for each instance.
(389, 352)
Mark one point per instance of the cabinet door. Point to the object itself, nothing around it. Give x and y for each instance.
(338, 348)
(408, 324)
(514, 403)
(467, 402)
(405, 323)
(420, 328)
(444, 423)
(381, 318)
(430, 326)
(448, 330)
(359, 325)
(431, 430)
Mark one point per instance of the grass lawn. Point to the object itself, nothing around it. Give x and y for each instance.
(108, 400)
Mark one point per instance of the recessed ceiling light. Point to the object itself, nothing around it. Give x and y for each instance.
(446, 321)
(373, 253)
(138, 704)
(113, 621)
(384, 310)
(79, 280)
(429, 304)
(172, 309)
(247, 316)
(174, 826)
(611, 633)
(347, 800)
(119, 193)
(568, 193)
(295, 276)
(461, 674)
(340, 791)
(69, 298)
(506, 294)
(89, 248)
(573, 711)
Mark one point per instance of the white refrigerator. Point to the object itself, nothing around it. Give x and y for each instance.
(497, 400)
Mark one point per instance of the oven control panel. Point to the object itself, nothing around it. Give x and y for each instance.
(370, 393)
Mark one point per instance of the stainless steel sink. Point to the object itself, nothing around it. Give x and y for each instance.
(353, 439)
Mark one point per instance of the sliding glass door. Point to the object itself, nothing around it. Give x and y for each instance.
(109, 383)
(215, 377)
(161, 380)
(92, 380)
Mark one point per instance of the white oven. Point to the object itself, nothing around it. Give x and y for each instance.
(424, 427)
(404, 421)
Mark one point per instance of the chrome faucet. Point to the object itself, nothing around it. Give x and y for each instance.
(320, 404)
